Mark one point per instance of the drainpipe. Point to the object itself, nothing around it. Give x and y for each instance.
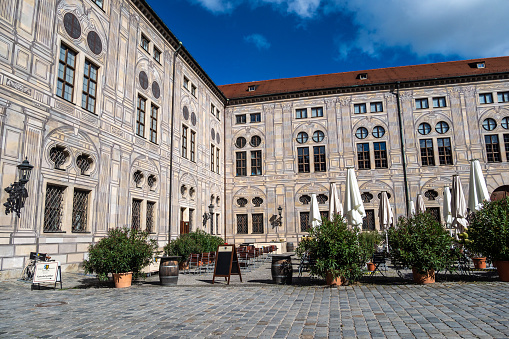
(171, 136)
(403, 157)
(224, 169)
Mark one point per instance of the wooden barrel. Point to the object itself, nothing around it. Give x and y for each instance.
(169, 270)
(281, 269)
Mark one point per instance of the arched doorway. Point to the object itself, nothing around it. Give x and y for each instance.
(500, 193)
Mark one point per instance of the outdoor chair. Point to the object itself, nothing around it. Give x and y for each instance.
(212, 262)
(380, 263)
(243, 259)
(193, 261)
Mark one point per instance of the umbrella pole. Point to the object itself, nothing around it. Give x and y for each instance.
(387, 241)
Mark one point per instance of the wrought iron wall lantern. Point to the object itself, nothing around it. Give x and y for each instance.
(17, 191)
(207, 216)
(278, 221)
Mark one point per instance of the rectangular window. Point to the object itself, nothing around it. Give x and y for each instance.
(193, 146)
(150, 216)
(240, 164)
(359, 108)
(485, 98)
(301, 113)
(376, 107)
(421, 103)
(140, 117)
(492, 148)
(503, 96)
(144, 42)
(427, 157)
(184, 141)
(316, 112)
(256, 162)
(241, 223)
(303, 159)
(193, 90)
(88, 97)
(153, 124)
(186, 83)
(319, 158)
(212, 109)
(217, 160)
(240, 119)
(439, 102)
(380, 154)
(218, 114)
(363, 158)
(136, 212)
(304, 221)
(506, 142)
(212, 148)
(79, 210)
(54, 208)
(66, 68)
(444, 151)
(255, 117)
(157, 55)
(99, 3)
(368, 222)
(257, 223)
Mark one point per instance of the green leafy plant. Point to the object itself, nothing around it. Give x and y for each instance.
(122, 250)
(369, 242)
(488, 232)
(422, 243)
(336, 250)
(194, 242)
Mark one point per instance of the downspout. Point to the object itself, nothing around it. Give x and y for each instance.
(171, 137)
(224, 170)
(402, 139)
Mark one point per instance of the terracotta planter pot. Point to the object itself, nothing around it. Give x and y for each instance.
(329, 280)
(123, 279)
(371, 266)
(503, 270)
(423, 278)
(479, 262)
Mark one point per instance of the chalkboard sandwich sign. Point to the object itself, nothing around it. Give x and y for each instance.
(227, 263)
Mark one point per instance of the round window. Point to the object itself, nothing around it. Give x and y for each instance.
(424, 128)
(302, 137)
(489, 124)
(143, 80)
(94, 42)
(72, 25)
(442, 127)
(505, 123)
(318, 136)
(156, 91)
(378, 132)
(240, 142)
(361, 133)
(256, 141)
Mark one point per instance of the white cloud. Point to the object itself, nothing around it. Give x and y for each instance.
(258, 40)
(302, 8)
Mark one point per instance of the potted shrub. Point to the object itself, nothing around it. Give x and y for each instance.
(194, 242)
(369, 242)
(336, 250)
(478, 259)
(422, 243)
(124, 252)
(488, 234)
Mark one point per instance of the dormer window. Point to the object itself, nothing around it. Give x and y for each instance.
(481, 64)
(251, 88)
(362, 76)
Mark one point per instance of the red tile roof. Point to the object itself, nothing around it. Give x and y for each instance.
(440, 70)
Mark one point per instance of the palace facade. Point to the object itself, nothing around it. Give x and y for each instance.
(124, 127)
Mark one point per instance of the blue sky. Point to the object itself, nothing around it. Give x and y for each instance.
(250, 40)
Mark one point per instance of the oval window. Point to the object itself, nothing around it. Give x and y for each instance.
(489, 124)
(72, 25)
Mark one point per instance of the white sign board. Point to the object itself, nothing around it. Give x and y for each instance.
(45, 272)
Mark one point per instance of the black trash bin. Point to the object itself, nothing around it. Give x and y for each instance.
(281, 269)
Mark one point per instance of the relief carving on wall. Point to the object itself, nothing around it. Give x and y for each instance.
(18, 86)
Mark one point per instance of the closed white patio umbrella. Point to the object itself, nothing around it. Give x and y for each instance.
(353, 206)
(412, 208)
(334, 205)
(459, 211)
(315, 218)
(420, 208)
(477, 190)
(386, 216)
(447, 209)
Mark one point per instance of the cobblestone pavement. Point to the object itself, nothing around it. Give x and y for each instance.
(255, 309)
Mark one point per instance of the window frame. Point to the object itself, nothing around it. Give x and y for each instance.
(217, 160)
(193, 146)
(241, 164)
(492, 148)
(301, 113)
(145, 43)
(193, 90)
(444, 152)
(317, 112)
(440, 102)
(185, 130)
(66, 66)
(186, 83)
(319, 159)
(303, 160)
(240, 119)
(504, 96)
(484, 96)
(363, 156)
(359, 108)
(257, 117)
(87, 93)
(419, 103)
(140, 121)
(378, 105)
(256, 163)
(154, 112)
(427, 153)
(380, 155)
(212, 149)
(157, 54)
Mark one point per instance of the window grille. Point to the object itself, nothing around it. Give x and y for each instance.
(138, 177)
(150, 216)
(258, 223)
(83, 163)
(242, 202)
(80, 211)
(322, 198)
(136, 221)
(431, 194)
(241, 223)
(54, 208)
(380, 195)
(366, 197)
(368, 222)
(304, 221)
(305, 199)
(324, 214)
(58, 156)
(151, 181)
(257, 201)
(183, 189)
(435, 212)
(191, 192)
